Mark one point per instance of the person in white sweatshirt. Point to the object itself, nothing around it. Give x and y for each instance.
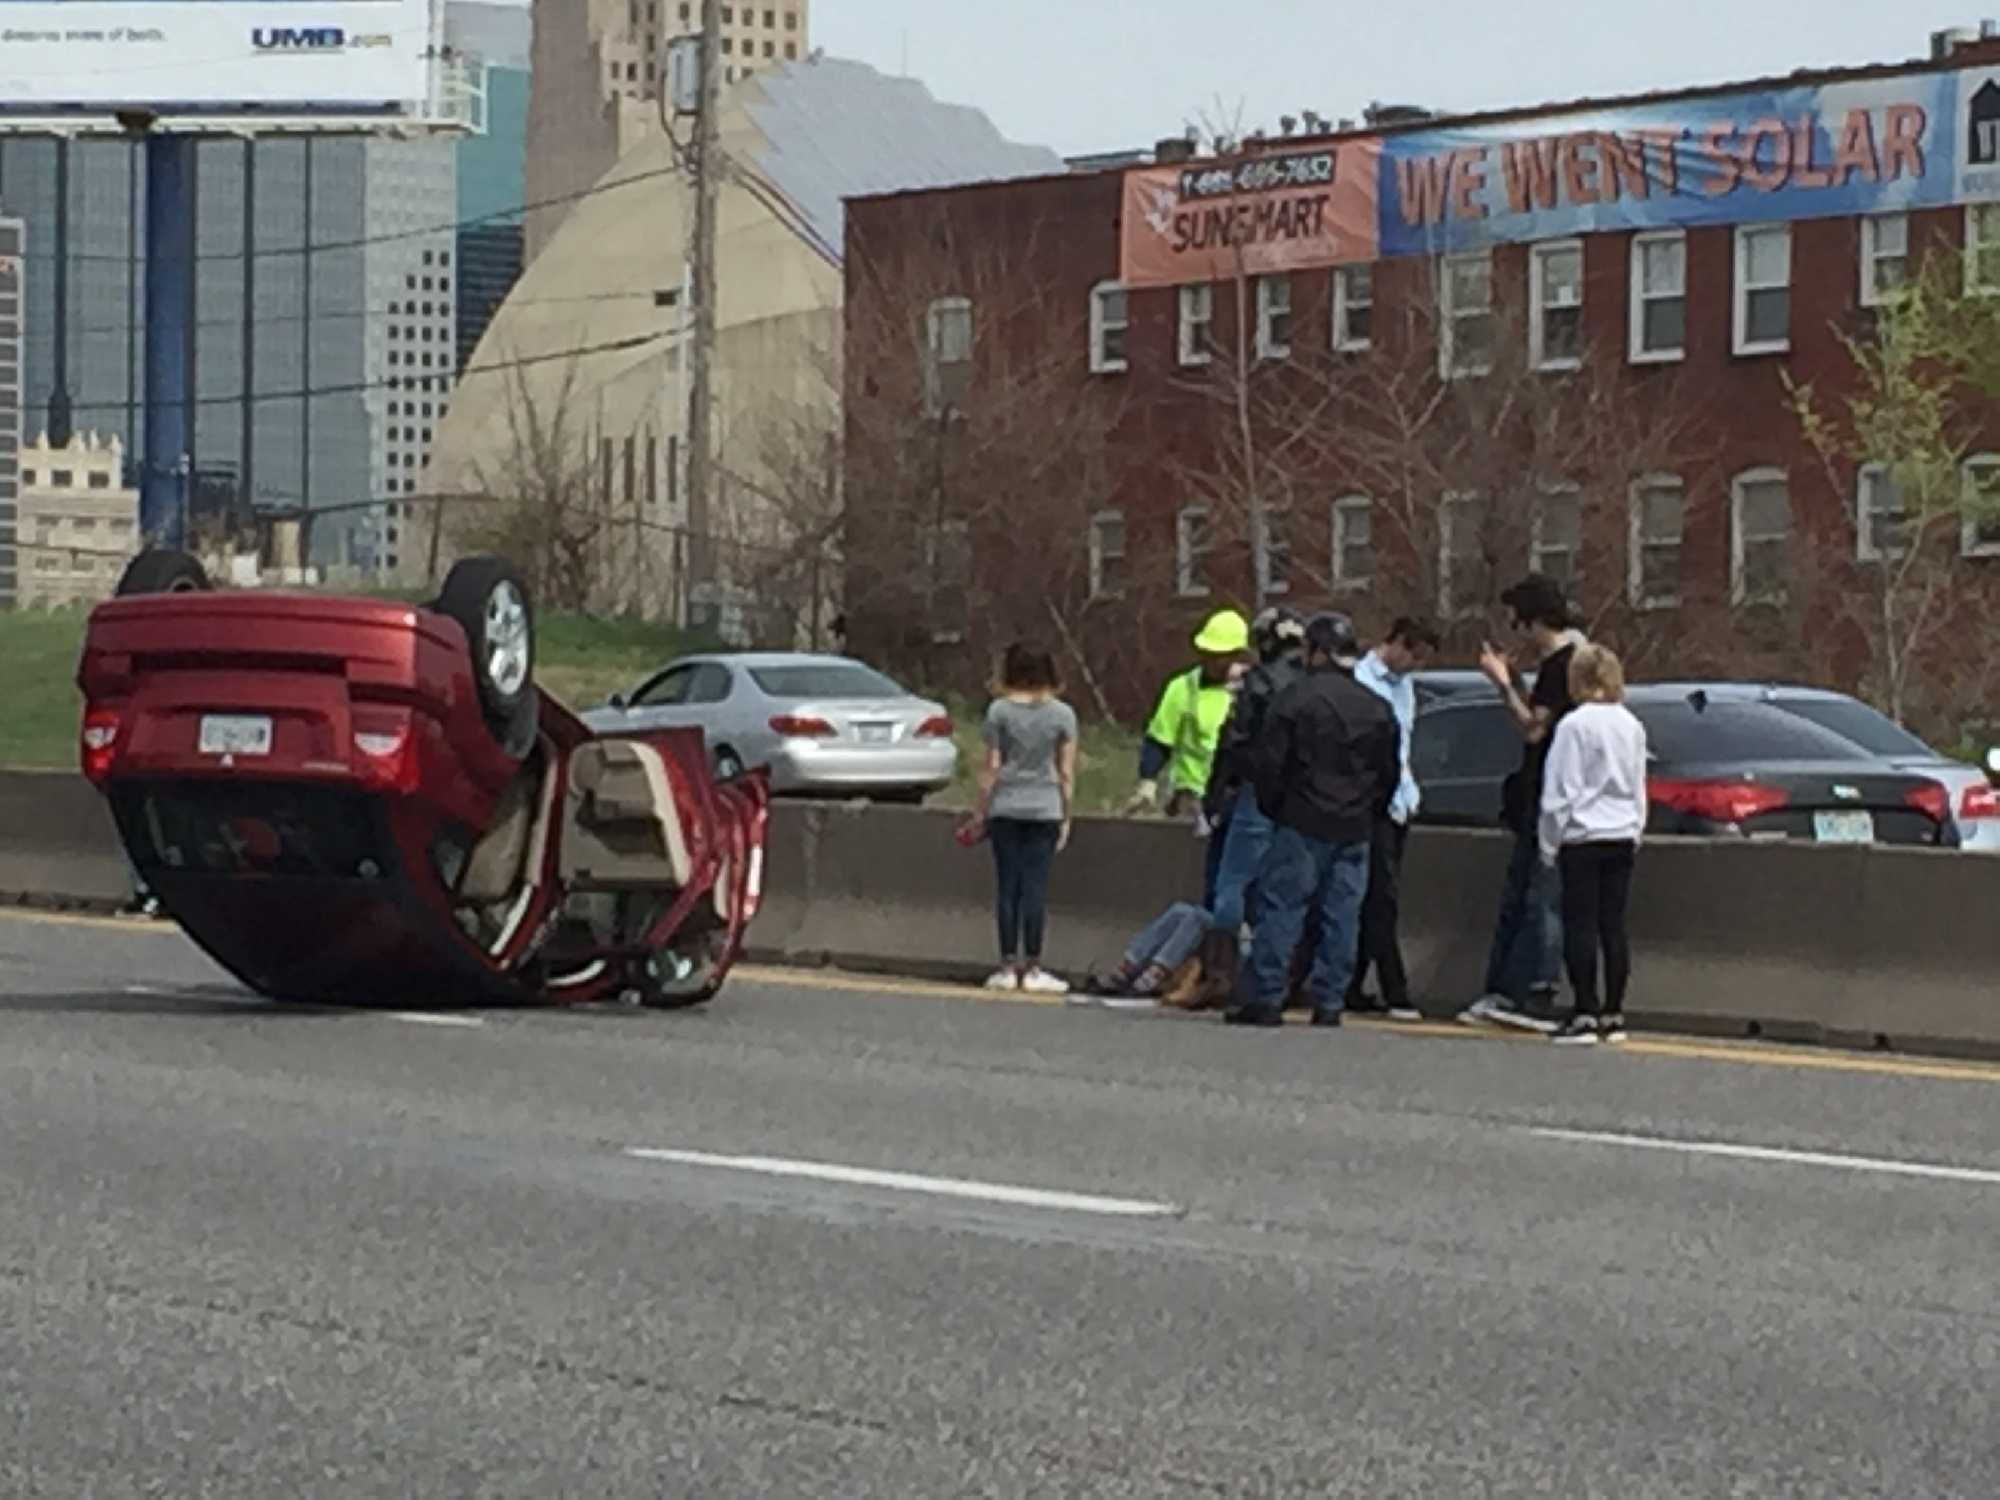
(1593, 816)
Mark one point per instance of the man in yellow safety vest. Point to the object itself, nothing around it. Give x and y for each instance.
(1186, 726)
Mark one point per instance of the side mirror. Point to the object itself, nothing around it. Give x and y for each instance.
(616, 700)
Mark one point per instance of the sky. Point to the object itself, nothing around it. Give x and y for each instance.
(1106, 75)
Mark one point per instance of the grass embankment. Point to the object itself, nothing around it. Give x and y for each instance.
(583, 661)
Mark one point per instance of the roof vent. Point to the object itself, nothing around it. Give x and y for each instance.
(1173, 149)
(1944, 43)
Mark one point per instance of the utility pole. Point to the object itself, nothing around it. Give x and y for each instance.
(707, 183)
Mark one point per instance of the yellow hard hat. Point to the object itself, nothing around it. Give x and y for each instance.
(1226, 633)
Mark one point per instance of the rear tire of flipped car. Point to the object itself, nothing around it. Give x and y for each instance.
(490, 602)
(163, 571)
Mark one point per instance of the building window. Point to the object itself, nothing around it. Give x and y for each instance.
(1462, 571)
(792, 50)
(1466, 302)
(1659, 297)
(62, 479)
(1353, 542)
(631, 470)
(1557, 535)
(791, 20)
(1197, 322)
(1659, 511)
(1885, 257)
(1191, 547)
(948, 367)
(728, 46)
(1763, 289)
(1881, 523)
(1555, 305)
(27, 476)
(1274, 317)
(1110, 321)
(1982, 247)
(1979, 506)
(1107, 554)
(1760, 536)
(770, 49)
(100, 480)
(1353, 307)
(1277, 550)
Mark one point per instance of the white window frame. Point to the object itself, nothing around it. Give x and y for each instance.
(934, 360)
(1269, 309)
(1537, 549)
(1538, 305)
(1197, 318)
(1741, 290)
(1866, 479)
(1738, 588)
(1102, 325)
(1449, 608)
(1976, 216)
(1969, 544)
(1636, 579)
(1190, 561)
(1640, 354)
(1344, 510)
(1276, 521)
(1872, 255)
(1345, 305)
(1098, 520)
(1448, 364)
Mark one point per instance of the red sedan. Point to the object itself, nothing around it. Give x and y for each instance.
(353, 801)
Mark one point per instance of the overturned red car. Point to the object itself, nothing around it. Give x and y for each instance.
(352, 801)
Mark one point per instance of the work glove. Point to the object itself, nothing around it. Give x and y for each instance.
(1145, 798)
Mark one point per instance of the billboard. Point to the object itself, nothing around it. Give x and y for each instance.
(215, 56)
(1283, 212)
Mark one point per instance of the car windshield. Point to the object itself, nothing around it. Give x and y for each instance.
(837, 679)
(1874, 732)
(1676, 731)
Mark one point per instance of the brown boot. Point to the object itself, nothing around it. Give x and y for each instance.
(1221, 963)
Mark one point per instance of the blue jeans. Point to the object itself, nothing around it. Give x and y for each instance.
(1527, 943)
(1170, 939)
(1302, 875)
(1023, 854)
(1246, 836)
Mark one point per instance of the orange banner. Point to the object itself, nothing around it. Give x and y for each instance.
(1281, 211)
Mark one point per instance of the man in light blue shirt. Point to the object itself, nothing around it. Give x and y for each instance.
(1386, 672)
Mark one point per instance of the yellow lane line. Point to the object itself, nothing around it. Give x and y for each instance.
(1753, 1054)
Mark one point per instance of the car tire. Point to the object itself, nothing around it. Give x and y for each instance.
(490, 602)
(163, 571)
(728, 764)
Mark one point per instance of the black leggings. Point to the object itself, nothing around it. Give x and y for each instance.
(1596, 889)
(1023, 853)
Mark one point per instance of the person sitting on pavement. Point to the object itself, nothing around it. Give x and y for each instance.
(1236, 822)
(1386, 672)
(1522, 968)
(1325, 767)
(1187, 722)
(1161, 962)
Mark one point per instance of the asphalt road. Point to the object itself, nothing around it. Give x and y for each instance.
(256, 1252)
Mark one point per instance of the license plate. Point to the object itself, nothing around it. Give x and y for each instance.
(235, 734)
(875, 734)
(1844, 827)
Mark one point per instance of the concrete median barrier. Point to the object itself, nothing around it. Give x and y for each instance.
(1859, 946)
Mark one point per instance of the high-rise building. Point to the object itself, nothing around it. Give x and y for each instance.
(599, 66)
(489, 47)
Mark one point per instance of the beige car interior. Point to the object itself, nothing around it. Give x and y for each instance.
(623, 823)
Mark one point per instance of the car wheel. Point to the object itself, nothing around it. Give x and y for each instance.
(490, 603)
(728, 765)
(163, 571)
(685, 975)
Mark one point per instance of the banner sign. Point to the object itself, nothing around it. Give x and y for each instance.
(1283, 212)
(1876, 146)
(179, 56)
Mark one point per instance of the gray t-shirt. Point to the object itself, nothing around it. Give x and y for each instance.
(1028, 737)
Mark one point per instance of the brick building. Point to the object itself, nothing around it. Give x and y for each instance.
(1389, 370)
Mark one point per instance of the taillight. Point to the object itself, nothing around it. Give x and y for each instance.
(385, 749)
(1979, 801)
(1716, 801)
(1932, 800)
(802, 727)
(938, 728)
(98, 742)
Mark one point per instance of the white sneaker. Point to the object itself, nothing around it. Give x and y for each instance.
(1482, 1011)
(1003, 979)
(1129, 1002)
(1519, 1020)
(1405, 1013)
(1042, 982)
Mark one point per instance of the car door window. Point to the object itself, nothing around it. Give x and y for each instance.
(1461, 744)
(709, 684)
(666, 690)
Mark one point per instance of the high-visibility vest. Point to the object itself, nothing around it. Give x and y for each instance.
(1189, 723)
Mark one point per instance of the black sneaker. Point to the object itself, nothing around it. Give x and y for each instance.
(1611, 1028)
(1577, 1031)
(1326, 1018)
(1253, 1015)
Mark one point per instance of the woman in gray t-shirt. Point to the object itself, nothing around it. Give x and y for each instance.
(1024, 805)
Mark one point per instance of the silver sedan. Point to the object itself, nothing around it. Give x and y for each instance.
(823, 725)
